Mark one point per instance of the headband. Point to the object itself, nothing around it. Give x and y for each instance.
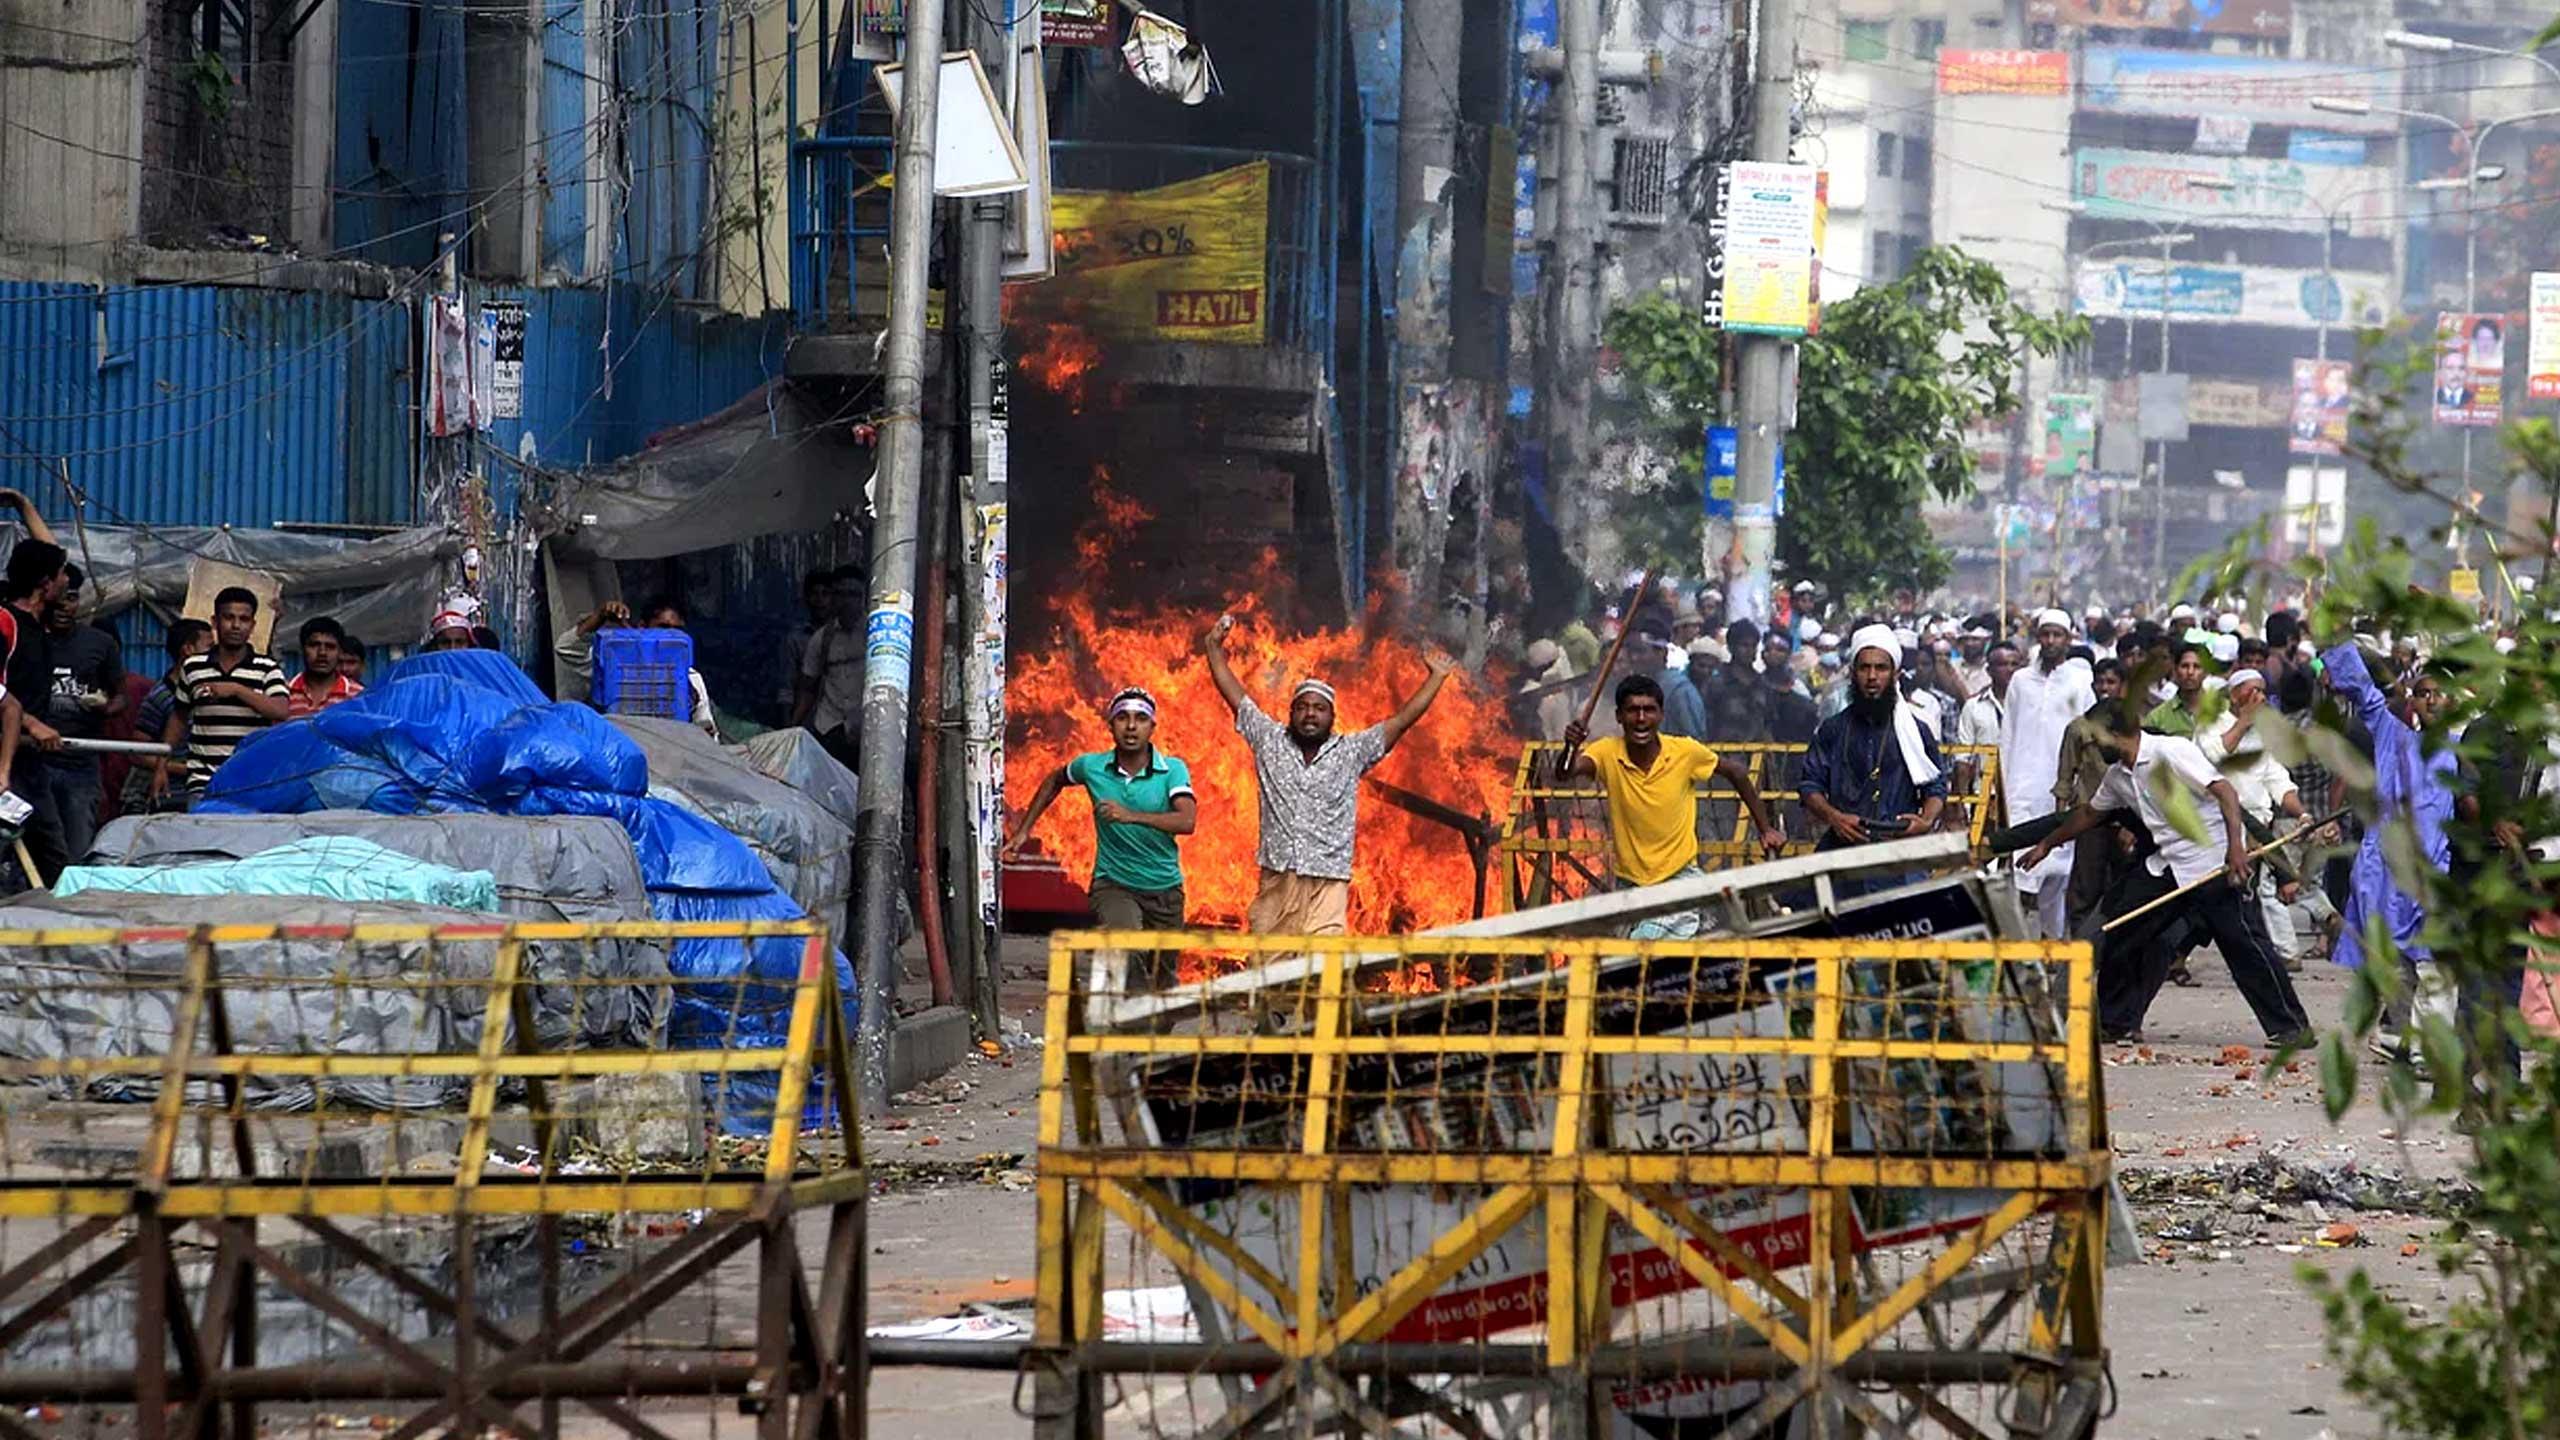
(1132, 699)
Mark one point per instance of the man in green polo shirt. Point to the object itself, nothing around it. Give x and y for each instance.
(1142, 799)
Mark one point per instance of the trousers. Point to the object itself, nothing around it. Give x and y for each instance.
(2133, 961)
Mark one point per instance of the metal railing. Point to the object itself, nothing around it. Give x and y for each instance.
(839, 224)
(447, 1171)
(1555, 842)
(1478, 1179)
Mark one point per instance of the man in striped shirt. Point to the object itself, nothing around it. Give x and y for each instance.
(227, 694)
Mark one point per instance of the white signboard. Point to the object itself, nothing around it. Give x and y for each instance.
(1769, 248)
(2255, 192)
(2229, 294)
(2315, 505)
(2187, 83)
(2542, 366)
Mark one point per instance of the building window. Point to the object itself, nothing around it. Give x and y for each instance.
(1910, 247)
(1888, 146)
(1915, 159)
(1884, 249)
(1926, 37)
(1867, 40)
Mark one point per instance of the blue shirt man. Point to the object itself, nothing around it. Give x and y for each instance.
(1142, 801)
(1872, 772)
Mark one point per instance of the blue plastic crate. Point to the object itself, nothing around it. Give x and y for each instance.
(644, 672)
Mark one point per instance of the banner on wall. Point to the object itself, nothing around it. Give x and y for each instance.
(2471, 368)
(2542, 338)
(2321, 402)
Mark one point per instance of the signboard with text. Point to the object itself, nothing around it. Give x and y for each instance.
(2228, 294)
(2255, 192)
(1771, 227)
(2070, 435)
(2004, 72)
(1184, 261)
(2471, 368)
(2262, 19)
(2183, 84)
(2542, 338)
(1075, 22)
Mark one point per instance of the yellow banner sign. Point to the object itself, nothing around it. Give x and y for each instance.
(1185, 261)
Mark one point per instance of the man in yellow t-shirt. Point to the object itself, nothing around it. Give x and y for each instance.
(1651, 781)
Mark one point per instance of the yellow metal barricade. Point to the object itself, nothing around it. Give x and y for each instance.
(1555, 840)
(1570, 1186)
(456, 1176)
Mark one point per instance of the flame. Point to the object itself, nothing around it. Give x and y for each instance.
(1061, 361)
(1408, 873)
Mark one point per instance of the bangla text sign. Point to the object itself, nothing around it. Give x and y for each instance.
(2229, 294)
(2253, 192)
(2186, 83)
(2261, 18)
(2003, 72)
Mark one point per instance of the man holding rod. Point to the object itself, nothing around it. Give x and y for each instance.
(2210, 879)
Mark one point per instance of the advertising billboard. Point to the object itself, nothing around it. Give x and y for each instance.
(2255, 192)
(2183, 84)
(2228, 294)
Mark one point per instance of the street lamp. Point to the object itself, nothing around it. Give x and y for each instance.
(2470, 180)
(2331, 213)
(2446, 45)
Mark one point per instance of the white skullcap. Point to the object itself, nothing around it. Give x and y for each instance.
(2182, 611)
(2228, 623)
(2226, 648)
(2094, 612)
(1542, 653)
(1711, 647)
(1879, 637)
(2243, 676)
(1312, 686)
(2054, 616)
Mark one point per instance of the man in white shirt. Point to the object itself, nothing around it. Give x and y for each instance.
(2266, 789)
(2043, 699)
(1987, 713)
(2133, 962)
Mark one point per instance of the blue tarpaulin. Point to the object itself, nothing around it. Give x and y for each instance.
(465, 730)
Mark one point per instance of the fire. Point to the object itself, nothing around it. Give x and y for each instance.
(1408, 874)
(1061, 361)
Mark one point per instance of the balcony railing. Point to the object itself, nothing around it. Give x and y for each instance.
(839, 229)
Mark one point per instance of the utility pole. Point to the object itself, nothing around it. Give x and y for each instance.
(1761, 439)
(1426, 470)
(888, 658)
(1573, 327)
(2160, 448)
(979, 787)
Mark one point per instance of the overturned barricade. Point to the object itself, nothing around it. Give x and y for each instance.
(270, 1173)
(1842, 1162)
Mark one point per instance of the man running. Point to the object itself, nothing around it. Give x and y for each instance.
(1310, 780)
(1142, 802)
(1651, 781)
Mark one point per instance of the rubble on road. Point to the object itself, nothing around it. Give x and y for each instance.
(2252, 1186)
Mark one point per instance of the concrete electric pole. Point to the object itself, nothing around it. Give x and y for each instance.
(1426, 468)
(880, 852)
(1573, 325)
(1761, 439)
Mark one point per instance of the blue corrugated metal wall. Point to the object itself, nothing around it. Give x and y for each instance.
(566, 137)
(401, 117)
(193, 405)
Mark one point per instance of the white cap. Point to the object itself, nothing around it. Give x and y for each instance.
(2181, 611)
(2228, 623)
(1711, 647)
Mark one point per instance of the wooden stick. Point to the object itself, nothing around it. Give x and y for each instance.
(1609, 662)
(2277, 843)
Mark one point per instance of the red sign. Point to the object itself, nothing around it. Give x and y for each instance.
(2004, 72)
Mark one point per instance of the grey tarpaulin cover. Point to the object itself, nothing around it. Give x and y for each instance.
(578, 868)
(381, 588)
(807, 850)
(794, 757)
(104, 1000)
(772, 464)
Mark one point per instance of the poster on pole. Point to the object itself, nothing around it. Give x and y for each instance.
(2471, 367)
(2315, 506)
(2070, 436)
(1768, 248)
(2542, 338)
(2321, 400)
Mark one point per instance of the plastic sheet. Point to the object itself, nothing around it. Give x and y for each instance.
(338, 867)
(465, 730)
(805, 848)
(110, 1000)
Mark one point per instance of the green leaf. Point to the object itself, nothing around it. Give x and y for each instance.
(2178, 806)
(2443, 1051)
(2337, 1075)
